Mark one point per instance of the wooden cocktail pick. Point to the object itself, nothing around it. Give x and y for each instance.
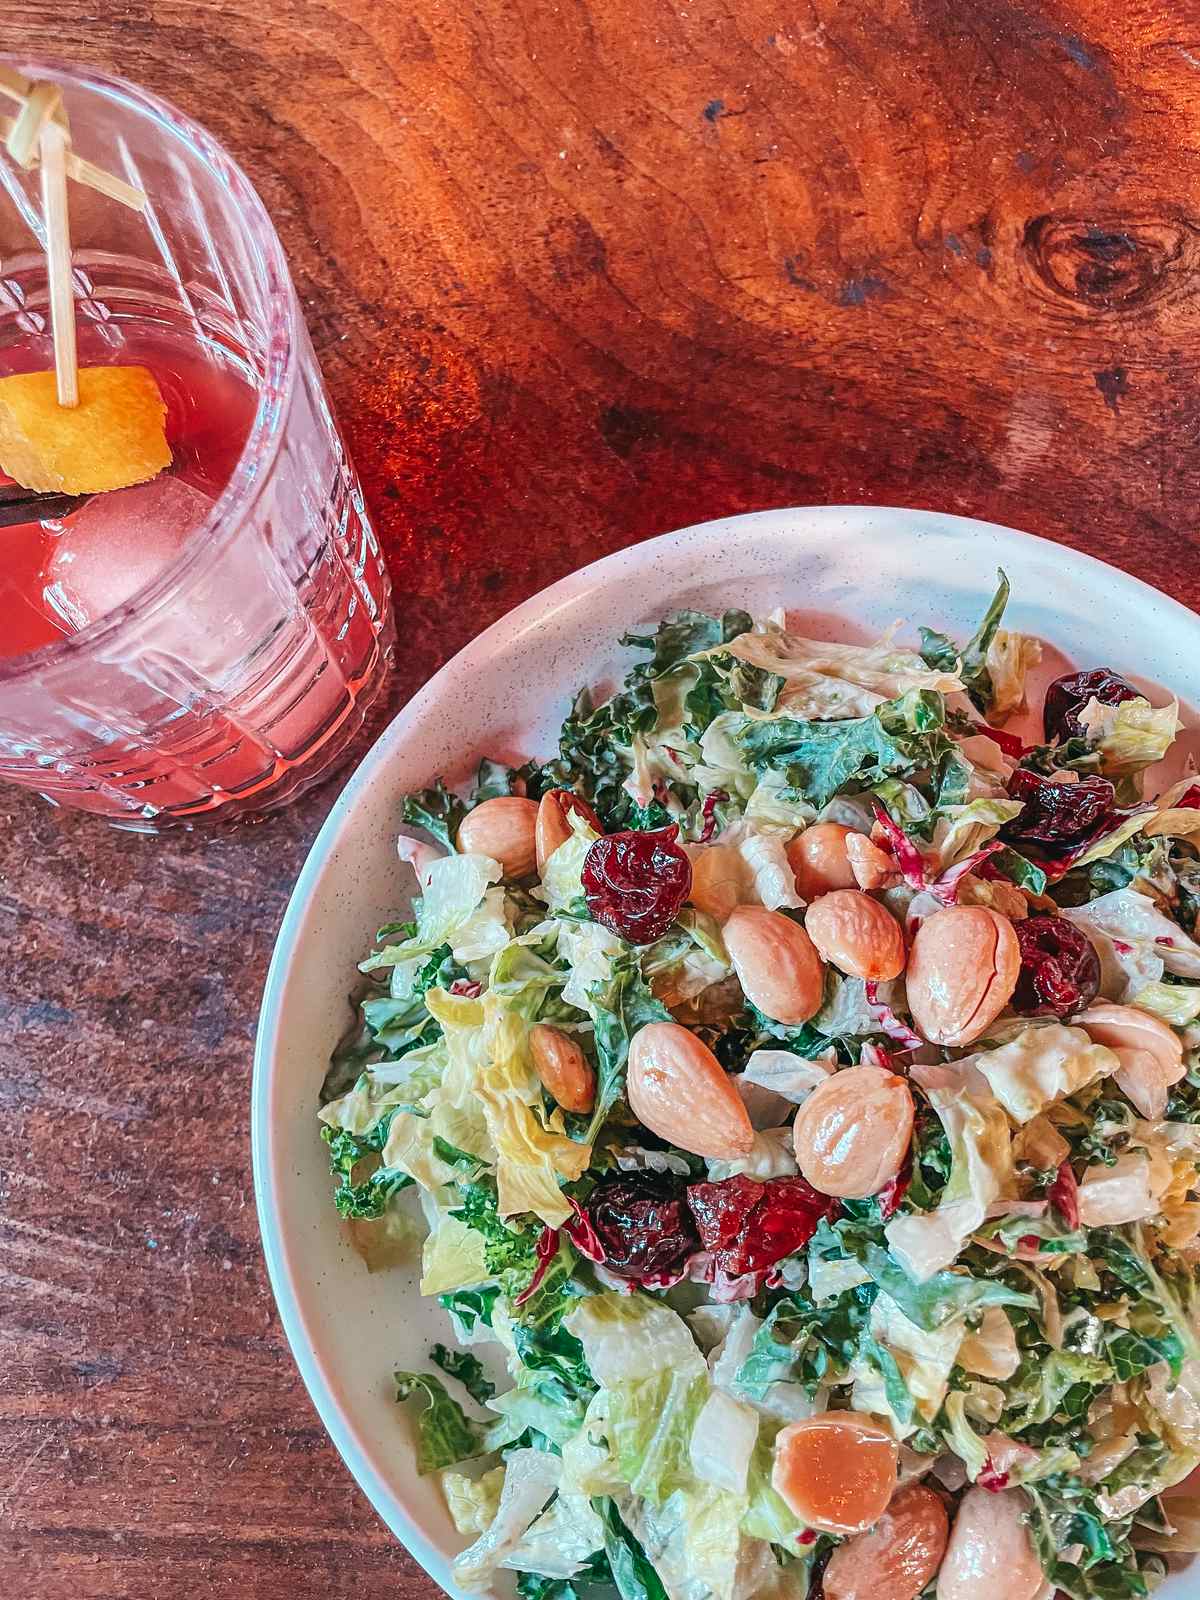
(40, 135)
(52, 142)
(20, 138)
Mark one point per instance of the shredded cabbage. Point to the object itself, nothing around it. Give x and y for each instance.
(530, 1478)
(881, 668)
(1135, 941)
(454, 890)
(1132, 735)
(962, 830)
(1008, 660)
(1042, 1064)
(982, 1169)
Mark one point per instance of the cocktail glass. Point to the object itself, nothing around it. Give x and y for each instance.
(205, 647)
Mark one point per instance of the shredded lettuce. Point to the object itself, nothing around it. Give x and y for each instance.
(923, 1360)
(694, 1457)
(473, 1502)
(1176, 1003)
(651, 1421)
(630, 1337)
(961, 830)
(688, 960)
(561, 1542)
(562, 881)
(619, 1005)
(1127, 1191)
(990, 1350)
(533, 1153)
(1009, 658)
(722, 1442)
(453, 1258)
(783, 1073)
(931, 1301)
(992, 664)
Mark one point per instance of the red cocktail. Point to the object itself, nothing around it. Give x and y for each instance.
(206, 642)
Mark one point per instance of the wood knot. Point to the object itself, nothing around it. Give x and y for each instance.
(1119, 266)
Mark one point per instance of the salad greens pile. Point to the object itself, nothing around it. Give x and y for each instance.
(1021, 1310)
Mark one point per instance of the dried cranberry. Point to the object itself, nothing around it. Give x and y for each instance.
(642, 1221)
(722, 1208)
(749, 1226)
(1060, 970)
(1057, 813)
(635, 883)
(1066, 698)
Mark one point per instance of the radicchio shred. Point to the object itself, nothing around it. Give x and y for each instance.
(1063, 1195)
(547, 1249)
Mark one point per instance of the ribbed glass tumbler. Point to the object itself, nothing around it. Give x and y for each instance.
(239, 671)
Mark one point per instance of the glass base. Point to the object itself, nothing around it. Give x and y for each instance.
(221, 813)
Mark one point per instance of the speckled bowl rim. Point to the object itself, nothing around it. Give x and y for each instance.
(666, 553)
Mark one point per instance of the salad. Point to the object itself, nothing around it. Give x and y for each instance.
(796, 1085)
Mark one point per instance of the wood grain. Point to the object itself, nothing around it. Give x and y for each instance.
(579, 272)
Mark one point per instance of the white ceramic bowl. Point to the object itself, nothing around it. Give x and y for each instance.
(841, 572)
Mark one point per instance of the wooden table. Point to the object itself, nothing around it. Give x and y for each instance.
(578, 273)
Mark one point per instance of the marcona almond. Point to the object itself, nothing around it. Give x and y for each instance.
(1150, 1053)
(716, 879)
(553, 826)
(836, 1471)
(962, 970)
(819, 861)
(990, 1555)
(565, 1071)
(872, 867)
(852, 1133)
(856, 934)
(776, 963)
(503, 829)
(896, 1558)
(677, 1089)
